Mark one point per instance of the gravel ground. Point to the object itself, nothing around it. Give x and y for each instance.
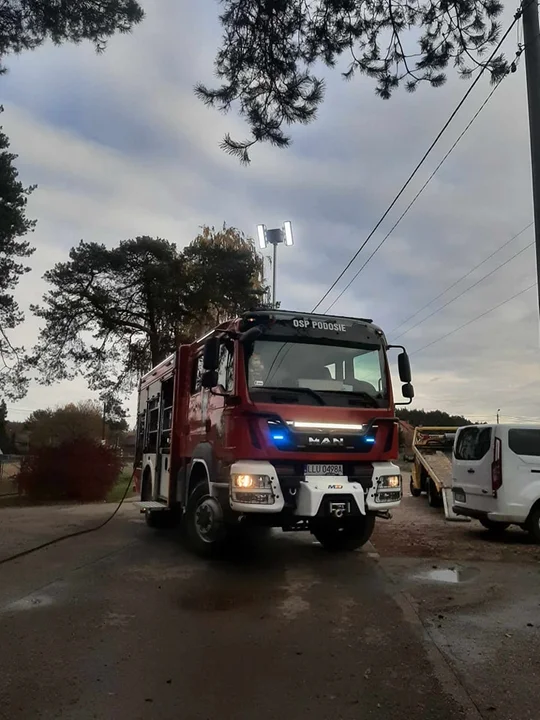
(416, 530)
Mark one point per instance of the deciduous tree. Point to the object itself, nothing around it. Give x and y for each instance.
(270, 50)
(51, 427)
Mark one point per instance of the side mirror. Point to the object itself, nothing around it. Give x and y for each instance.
(404, 367)
(209, 379)
(211, 354)
(407, 391)
(251, 335)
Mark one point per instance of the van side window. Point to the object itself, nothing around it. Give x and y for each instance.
(226, 369)
(473, 443)
(196, 375)
(524, 441)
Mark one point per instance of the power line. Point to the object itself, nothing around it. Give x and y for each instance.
(423, 159)
(453, 285)
(484, 277)
(478, 317)
(415, 198)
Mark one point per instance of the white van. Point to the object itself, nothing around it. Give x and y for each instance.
(496, 476)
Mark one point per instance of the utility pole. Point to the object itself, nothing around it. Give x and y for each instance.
(531, 41)
(274, 273)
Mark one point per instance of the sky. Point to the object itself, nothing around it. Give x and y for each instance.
(119, 146)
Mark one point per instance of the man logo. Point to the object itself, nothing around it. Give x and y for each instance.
(335, 487)
(326, 440)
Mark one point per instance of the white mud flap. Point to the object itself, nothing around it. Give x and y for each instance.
(449, 514)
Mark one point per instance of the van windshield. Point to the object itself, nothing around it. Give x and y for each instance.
(321, 374)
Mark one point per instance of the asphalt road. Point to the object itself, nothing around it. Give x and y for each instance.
(125, 623)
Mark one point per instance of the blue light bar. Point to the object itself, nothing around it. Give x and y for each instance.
(369, 440)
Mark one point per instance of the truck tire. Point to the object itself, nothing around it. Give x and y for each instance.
(345, 537)
(415, 492)
(494, 527)
(205, 530)
(433, 495)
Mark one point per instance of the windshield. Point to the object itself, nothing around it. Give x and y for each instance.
(317, 374)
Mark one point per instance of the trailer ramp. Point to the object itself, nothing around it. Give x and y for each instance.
(439, 465)
(433, 450)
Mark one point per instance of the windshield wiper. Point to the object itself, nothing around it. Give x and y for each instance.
(307, 391)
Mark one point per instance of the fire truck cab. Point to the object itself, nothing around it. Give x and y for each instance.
(274, 419)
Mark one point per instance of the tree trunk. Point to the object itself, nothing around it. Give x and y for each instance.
(155, 349)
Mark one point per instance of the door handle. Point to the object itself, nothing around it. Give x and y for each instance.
(470, 470)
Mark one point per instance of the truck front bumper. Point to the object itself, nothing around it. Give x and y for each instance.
(255, 488)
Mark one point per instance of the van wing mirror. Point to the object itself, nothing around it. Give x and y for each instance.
(211, 354)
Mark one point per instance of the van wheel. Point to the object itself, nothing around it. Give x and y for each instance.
(415, 492)
(493, 526)
(433, 496)
(347, 536)
(533, 524)
(205, 529)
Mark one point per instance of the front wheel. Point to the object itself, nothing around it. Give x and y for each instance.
(205, 529)
(345, 537)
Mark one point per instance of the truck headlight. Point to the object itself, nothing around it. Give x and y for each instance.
(388, 489)
(251, 482)
(252, 489)
(392, 482)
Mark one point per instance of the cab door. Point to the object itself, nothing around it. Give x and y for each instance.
(471, 468)
(197, 405)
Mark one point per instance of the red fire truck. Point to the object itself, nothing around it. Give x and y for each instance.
(275, 419)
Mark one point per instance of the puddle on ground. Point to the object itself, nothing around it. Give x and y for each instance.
(452, 575)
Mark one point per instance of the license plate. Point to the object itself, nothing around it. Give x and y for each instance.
(459, 496)
(323, 470)
(339, 509)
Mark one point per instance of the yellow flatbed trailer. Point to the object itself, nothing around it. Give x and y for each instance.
(432, 468)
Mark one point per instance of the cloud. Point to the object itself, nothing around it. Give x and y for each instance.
(120, 147)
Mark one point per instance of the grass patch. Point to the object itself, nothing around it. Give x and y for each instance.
(116, 493)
